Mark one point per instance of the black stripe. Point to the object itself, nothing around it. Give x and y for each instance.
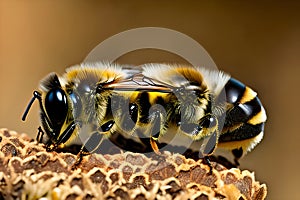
(129, 115)
(133, 112)
(246, 131)
(160, 100)
(145, 107)
(234, 91)
(242, 112)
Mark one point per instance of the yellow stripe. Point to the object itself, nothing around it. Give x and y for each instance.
(231, 128)
(132, 95)
(248, 95)
(192, 75)
(258, 118)
(247, 145)
(154, 95)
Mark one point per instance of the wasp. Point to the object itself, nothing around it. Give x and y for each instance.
(153, 106)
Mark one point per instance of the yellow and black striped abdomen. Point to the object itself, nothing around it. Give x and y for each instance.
(245, 118)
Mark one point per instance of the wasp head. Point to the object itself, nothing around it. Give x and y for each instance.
(55, 111)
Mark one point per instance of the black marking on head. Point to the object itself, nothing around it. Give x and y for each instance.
(51, 81)
(245, 131)
(234, 90)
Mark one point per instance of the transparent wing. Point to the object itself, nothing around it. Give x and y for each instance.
(139, 82)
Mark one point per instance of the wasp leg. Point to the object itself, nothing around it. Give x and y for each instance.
(208, 163)
(210, 144)
(93, 142)
(40, 135)
(66, 134)
(207, 126)
(51, 146)
(154, 145)
(237, 153)
(208, 147)
(157, 123)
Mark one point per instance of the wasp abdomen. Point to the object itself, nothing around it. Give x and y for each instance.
(245, 118)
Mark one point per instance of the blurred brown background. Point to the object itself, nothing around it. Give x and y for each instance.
(257, 42)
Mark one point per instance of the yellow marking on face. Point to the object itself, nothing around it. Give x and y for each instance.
(258, 118)
(248, 95)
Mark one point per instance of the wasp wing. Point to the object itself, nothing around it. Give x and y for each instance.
(138, 82)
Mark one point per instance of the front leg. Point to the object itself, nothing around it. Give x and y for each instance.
(40, 135)
(207, 131)
(90, 145)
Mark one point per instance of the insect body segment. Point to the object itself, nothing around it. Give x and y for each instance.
(152, 104)
(245, 119)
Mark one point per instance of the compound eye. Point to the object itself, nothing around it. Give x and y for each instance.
(56, 106)
(77, 105)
